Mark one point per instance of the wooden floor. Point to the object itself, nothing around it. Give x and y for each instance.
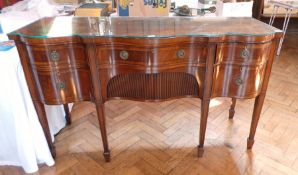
(161, 138)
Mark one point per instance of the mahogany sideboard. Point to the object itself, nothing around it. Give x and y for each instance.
(72, 59)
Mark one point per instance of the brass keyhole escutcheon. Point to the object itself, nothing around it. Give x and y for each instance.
(54, 55)
(124, 55)
(60, 85)
(245, 53)
(180, 53)
(239, 81)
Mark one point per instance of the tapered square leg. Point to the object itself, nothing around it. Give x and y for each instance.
(67, 114)
(200, 151)
(41, 113)
(103, 131)
(203, 125)
(232, 109)
(107, 156)
(250, 143)
(255, 119)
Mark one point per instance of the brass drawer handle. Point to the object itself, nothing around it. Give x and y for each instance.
(60, 85)
(124, 55)
(245, 53)
(180, 53)
(54, 55)
(238, 81)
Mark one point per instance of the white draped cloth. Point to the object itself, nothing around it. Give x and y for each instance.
(22, 141)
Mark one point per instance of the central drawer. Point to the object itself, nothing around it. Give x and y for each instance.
(183, 53)
(177, 55)
(122, 55)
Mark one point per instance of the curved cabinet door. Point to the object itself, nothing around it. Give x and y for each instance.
(237, 81)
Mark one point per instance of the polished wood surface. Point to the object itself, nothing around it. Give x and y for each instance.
(97, 59)
(139, 27)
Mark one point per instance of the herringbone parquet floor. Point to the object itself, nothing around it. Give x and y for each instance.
(161, 138)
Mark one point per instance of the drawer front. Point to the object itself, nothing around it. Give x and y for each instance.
(158, 56)
(64, 87)
(57, 55)
(188, 53)
(237, 81)
(122, 55)
(242, 53)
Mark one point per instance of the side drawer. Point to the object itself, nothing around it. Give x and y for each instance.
(237, 81)
(63, 87)
(122, 55)
(187, 53)
(242, 53)
(57, 55)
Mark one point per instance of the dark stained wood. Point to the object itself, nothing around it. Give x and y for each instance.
(146, 59)
(279, 21)
(258, 7)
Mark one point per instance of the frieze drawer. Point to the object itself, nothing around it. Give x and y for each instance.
(186, 53)
(242, 53)
(57, 56)
(159, 56)
(122, 55)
